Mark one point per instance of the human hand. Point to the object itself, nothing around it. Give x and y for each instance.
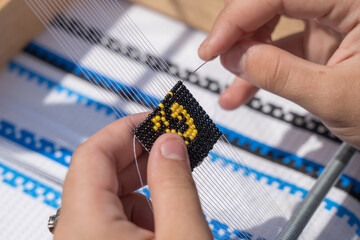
(318, 69)
(99, 201)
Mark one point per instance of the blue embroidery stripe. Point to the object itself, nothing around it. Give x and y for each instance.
(53, 85)
(95, 77)
(27, 139)
(30, 186)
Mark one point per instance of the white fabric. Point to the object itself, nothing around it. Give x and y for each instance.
(61, 111)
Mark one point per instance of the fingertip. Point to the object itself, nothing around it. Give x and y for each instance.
(171, 141)
(169, 146)
(223, 35)
(226, 101)
(206, 53)
(173, 147)
(239, 93)
(202, 51)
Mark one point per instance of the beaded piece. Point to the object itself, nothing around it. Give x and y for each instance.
(180, 113)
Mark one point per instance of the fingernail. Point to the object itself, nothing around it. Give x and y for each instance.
(173, 149)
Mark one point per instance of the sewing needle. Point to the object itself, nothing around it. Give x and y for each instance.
(196, 70)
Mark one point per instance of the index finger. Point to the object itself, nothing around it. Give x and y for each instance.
(92, 183)
(241, 17)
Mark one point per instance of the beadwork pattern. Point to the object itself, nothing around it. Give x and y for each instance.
(180, 113)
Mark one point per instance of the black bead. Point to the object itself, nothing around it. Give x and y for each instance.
(206, 137)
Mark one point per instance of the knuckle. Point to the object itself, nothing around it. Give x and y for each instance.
(276, 75)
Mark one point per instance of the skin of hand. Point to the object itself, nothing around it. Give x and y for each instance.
(319, 69)
(99, 201)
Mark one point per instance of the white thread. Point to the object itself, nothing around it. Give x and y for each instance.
(138, 171)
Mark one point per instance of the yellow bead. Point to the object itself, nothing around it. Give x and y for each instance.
(180, 118)
(181, 108)
(158, 124)
(193, 126)
(173, 115)
(171, 93)
(184, 112)
(173, 130)
(163, 119)
(166, 123)
(176, 105)
(167, 130)
(191, 120)
(162, 113)
(153, 120)
(157, 118)
(187, 116)
(180, 134)
(186, 142)
(161, 105)
(191, 137)
(195, 131)
(155, 128)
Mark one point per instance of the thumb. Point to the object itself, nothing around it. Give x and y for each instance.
(278, 71)
(174, 197)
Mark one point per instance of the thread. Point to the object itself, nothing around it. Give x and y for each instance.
(138, 170)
